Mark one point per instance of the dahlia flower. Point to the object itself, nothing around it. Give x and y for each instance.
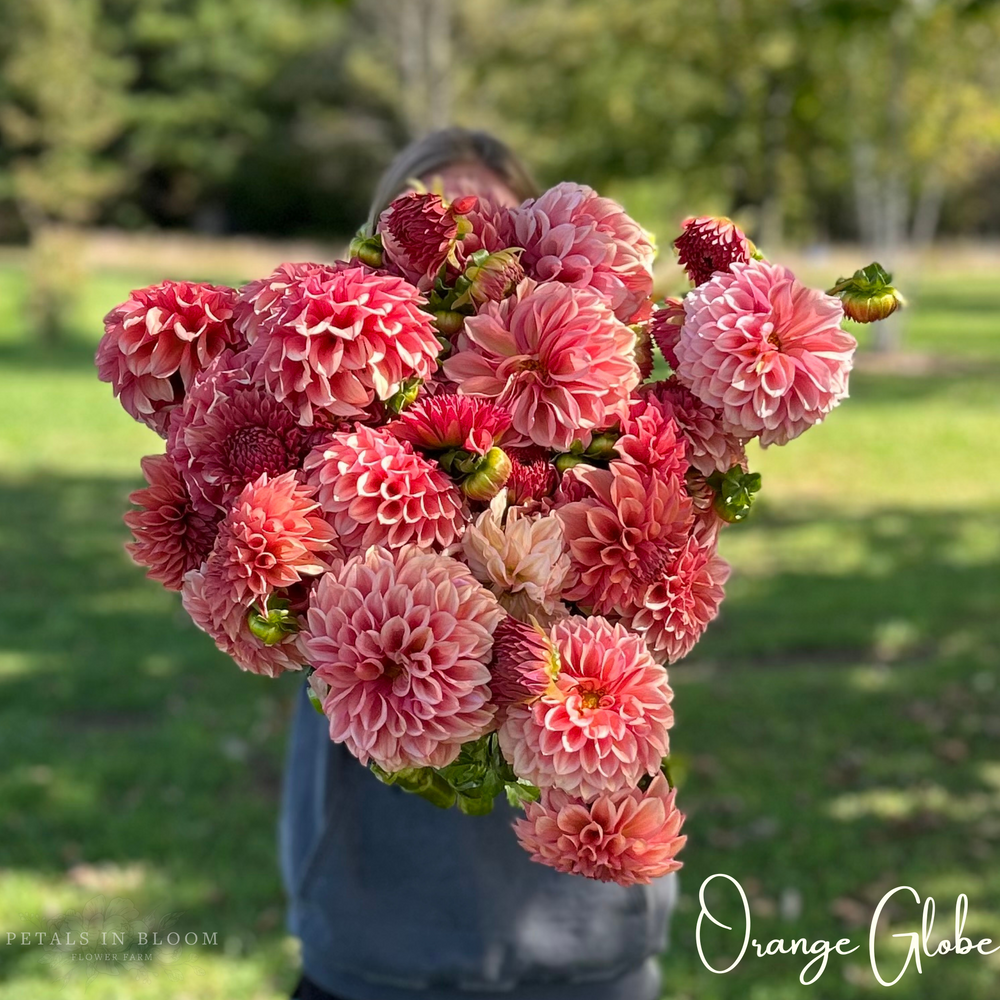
(171, 537)
(273, 535)
(709, 446)
(621, 536)
(522, 558)
(207, 598)
(554, 356)
(337, 339)
(603, 723)
(419, 231)
(403, 639)
(524, 664)
(765, 350)
(709, 244)
(229, 431)
(260, 302)
(650, 440)
(491, 228)
(377, 490)
(158, 340)
(572, 235)
(629, 838)
(438, 423)
(675, 610)
(665, 328)
(492, 279)
(532, 476)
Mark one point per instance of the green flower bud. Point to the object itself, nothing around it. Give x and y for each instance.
(566, 461)
(602, 446)
(490, 476)
(367, 249)
(734, 493)
(868, 295)
(405, 395)
(448, 321)
(274, 623)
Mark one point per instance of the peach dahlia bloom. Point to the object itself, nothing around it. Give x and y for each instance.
(630, 837)
(572, 235)
(603, 723)
(403, 641)
(376, 490)
(521, 557)
(765, 350)
(555, 357)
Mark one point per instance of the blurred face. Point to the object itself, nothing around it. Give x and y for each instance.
(470, 178)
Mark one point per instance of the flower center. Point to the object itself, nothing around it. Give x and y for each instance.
(591, 699)
(252, 450)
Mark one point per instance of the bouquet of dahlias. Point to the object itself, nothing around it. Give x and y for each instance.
(438, 478)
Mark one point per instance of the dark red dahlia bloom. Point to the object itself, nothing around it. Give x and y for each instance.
(710, 244)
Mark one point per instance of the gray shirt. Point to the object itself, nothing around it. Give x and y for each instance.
(395, 899)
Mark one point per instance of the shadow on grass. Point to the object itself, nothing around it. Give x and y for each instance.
(128, 739)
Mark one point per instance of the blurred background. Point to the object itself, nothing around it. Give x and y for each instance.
(837, 728)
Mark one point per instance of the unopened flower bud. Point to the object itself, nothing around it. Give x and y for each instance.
(367, 249)
(490, 476)
(602, 446)
(274, 623)
(491, 277)
(734, 492)
(405, 395)
(448, 321)
(566, 462)
(868, 295)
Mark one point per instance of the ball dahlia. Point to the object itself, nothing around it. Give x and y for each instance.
(441, 422)
(603, 723)
(521, 557)
(229, 431)
(403, 639)
(708, 244)
(272, 537)
(630, 837)
(622, 533)
(207, 598)
(765, 350)
(555, 357)
(340, 338)
(171, 537)
(675, 610)
(158, 340)
(376, 490)
(572, 235)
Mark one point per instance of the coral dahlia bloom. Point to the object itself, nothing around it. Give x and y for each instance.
(403, 639)
(492, 230)
(630, 838)
(229, 431)
(377, 490)
(207, 598)
(273, 535)
(524, 663)
(710, 447)
(675, 610)
(521, 557)
(622, 534)
(765, 350)
(438, 423)
(709, 244)
(158, 340)
(603, 723)
(338, 338)
(572, 235)
(171, 537)
(554, 356)
(650, 440)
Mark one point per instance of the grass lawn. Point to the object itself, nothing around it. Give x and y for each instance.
(836, 729)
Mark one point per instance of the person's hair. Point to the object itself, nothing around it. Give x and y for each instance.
(445, 148)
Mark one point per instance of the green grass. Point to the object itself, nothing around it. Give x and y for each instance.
(836, 729)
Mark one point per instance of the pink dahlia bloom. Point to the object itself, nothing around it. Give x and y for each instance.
(492, 230)
(419, 232)
(554, 356)
(171, 537)
(158, 340)
(229, 431)
(339, 338)
(524, 664)
(603, 723)
(651, 441)
(532, 476)
(622, 534)
(572, 235)
(377, 490)
(765, 350)
(710, 447)
(438, 423)
(207, 598)
(272, 537)
(260, 302)
(709, 244)
(665, 328)
(403, 639)
(630, 838)
(675, 610)
(521, 557)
